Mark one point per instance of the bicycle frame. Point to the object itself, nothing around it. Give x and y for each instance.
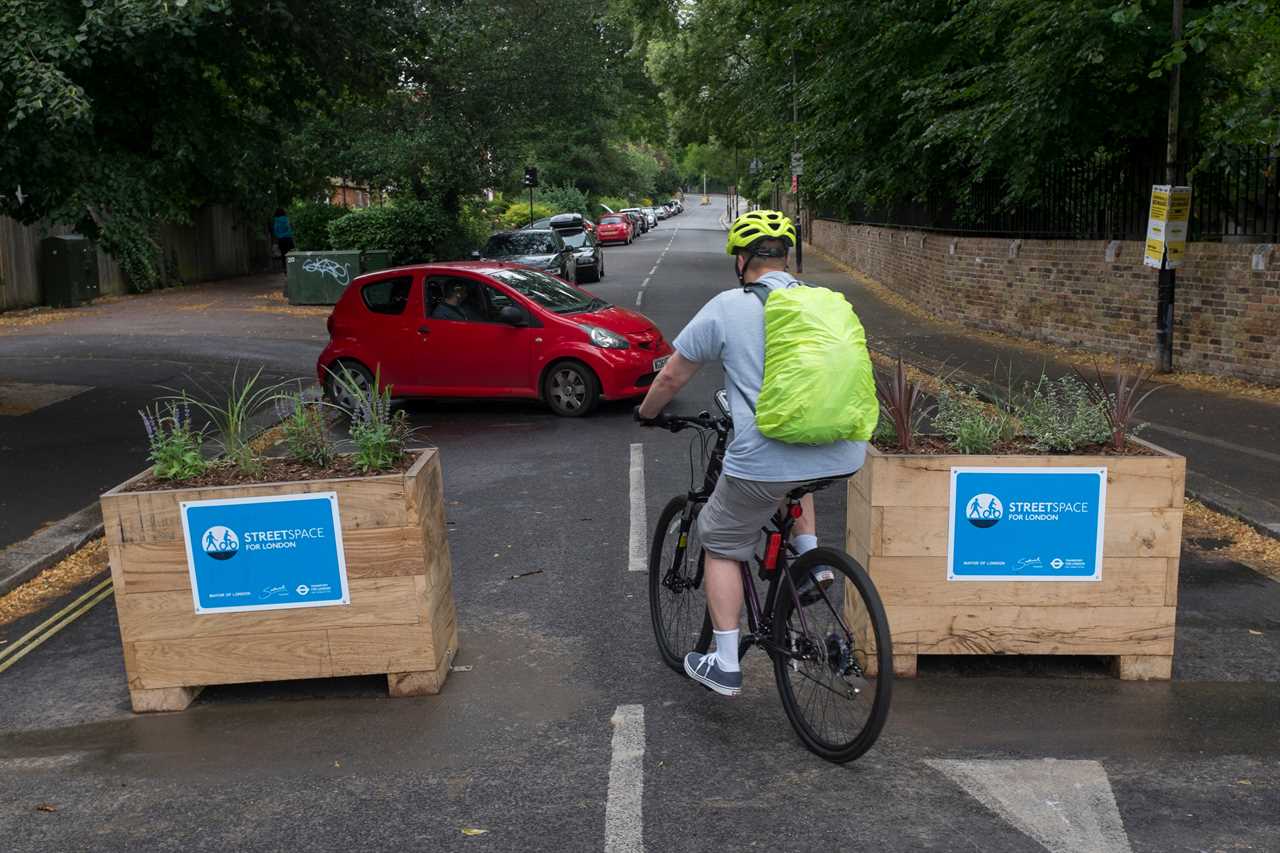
(759, 619)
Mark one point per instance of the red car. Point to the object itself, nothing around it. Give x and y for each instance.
(614, 228)
(489, 329)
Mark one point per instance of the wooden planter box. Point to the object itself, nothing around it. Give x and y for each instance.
(401, 619)
(898, 514)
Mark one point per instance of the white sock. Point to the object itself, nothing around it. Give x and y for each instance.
(727, 650)
(804, 542)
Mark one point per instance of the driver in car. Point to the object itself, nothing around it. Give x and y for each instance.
(451, 308)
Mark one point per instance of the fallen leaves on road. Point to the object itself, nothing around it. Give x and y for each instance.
(471, 831)
(1255, 633)
(277, 303)
(54, 582)
(46, 807)
(1241, 542)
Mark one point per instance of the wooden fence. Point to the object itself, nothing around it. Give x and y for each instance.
(218, 243)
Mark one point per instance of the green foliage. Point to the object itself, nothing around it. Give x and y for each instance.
(232, 413)
(310, 221)
(517, 214)
(306, 430)
(927, 99)
(1232, 51)
(565, 198)
(1060, 415)
(885, 435)
(968, 424)
(614, 202)
(380, 435)
(120, 114)
(414, 231)
(174, 443)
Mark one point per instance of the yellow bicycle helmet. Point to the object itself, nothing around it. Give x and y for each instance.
(755, 224)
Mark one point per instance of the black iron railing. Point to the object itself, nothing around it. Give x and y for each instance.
(1104, 199)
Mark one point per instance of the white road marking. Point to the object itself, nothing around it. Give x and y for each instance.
(623, 815)
(644, 283)
(1216, 442)
(1065, 805)
(640, 298)
(654, 270)
(639, 523)
(44, 762)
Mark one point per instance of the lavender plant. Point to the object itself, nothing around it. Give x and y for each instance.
(306, 430)
(173, 440)
(379, 434)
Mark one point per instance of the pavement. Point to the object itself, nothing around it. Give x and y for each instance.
(568, 733)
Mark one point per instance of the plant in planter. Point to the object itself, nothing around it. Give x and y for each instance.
(1120, 406)
(1071, 546)
(339, 567)
(306, 430)
(379, 434)
(232, 416)
(173, 441)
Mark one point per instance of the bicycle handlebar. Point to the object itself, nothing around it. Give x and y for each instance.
(675, 423)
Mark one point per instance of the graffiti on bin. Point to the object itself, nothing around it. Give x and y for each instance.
(340, 273)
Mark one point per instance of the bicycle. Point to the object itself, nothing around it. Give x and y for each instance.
(820, 639)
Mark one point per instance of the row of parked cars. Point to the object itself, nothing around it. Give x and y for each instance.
(511, 322)
(629, 223)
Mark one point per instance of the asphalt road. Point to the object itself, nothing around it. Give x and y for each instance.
(1021, 757)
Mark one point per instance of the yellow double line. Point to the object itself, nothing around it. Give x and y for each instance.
(34, 638)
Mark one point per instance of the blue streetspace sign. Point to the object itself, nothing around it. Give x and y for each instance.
(1036, 524)
(266, 553)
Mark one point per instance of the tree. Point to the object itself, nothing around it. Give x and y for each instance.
(121, 113)
(916, 99)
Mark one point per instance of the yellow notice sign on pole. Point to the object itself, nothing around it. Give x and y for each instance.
(1167, 226)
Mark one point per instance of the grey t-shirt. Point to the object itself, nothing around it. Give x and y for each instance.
(730, 329)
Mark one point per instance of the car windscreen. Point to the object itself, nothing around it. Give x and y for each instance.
(575, 241)
(611, 220)
(503, 245)
(551, 293)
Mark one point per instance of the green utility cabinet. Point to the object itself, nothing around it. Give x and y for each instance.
(372, 260)
(320, 278)
(68, 270)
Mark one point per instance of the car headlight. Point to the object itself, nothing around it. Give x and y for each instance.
(604, 338)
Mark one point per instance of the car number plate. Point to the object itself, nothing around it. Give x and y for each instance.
(659, 362)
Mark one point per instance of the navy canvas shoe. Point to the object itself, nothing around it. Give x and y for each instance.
(706, 670)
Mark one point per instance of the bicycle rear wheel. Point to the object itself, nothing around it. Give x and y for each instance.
(677, 598)
(826, 652)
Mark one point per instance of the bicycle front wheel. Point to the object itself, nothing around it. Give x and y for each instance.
(833, 658)
(677, 597)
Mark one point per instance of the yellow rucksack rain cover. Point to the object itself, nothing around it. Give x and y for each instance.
(818, 382)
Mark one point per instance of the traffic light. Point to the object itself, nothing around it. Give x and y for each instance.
(531, 176)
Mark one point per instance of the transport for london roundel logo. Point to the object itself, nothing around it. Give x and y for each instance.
(984, 510)
(221, 543)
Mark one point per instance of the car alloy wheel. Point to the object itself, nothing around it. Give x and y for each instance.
(358, 375)
(571, 390)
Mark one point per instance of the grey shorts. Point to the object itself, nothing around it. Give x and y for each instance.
(730, 524)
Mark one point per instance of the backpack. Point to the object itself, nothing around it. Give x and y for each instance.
(818, 383)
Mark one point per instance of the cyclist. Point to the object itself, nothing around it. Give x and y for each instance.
(758, 472)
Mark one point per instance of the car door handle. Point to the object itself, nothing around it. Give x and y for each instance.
(423, 330)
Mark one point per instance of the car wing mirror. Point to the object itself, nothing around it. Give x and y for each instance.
(512, 316)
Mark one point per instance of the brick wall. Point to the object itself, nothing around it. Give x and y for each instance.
(1066, 292)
